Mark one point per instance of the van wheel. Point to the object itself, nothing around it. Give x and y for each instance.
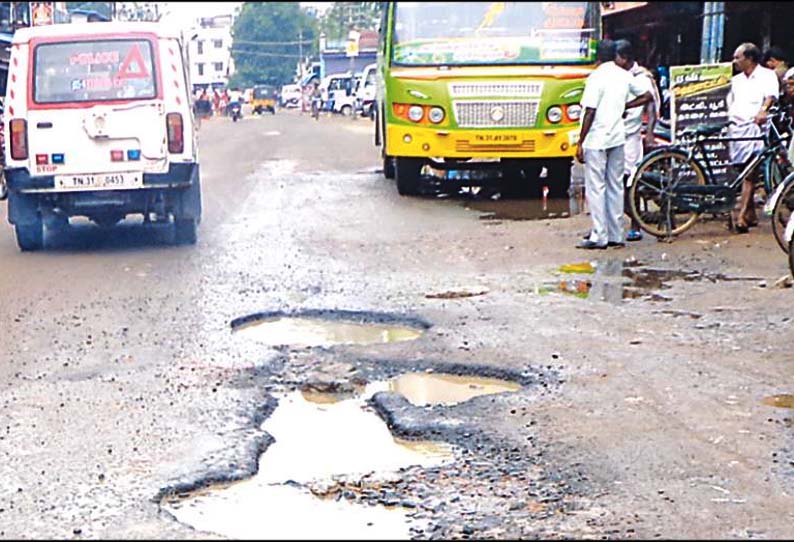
(347, 111)
(408, 171)
(30, 237)
(185, 231)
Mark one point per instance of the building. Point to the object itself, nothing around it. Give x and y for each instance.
(679, 33)
(209, 49)
(334, 59)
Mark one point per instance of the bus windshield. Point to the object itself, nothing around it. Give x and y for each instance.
(477, 33)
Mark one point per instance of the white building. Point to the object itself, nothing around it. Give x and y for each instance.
(209, 47)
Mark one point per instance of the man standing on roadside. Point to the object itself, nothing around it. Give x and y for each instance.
(607, 95)
(753, 91)
(634, 147)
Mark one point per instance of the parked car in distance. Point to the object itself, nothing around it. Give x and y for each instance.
(290, 96)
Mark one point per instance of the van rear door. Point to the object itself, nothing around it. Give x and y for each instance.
(96, 106)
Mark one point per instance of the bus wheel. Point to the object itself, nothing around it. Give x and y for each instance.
(388, 167)
(407, 172)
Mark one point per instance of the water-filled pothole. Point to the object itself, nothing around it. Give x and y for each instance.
(521, 209)
(319, 437)
(616, 280)
(313, 331)
(779, 401)
(423, 389)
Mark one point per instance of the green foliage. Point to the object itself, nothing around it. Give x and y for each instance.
(265, 48)
(339, 19)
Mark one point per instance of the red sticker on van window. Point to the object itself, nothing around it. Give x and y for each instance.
(134, 59)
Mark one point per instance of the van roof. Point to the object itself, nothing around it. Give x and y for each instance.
(23, 35)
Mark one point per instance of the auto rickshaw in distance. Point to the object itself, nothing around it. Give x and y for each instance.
(264, 98)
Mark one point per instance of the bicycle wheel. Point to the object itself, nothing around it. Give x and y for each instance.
(791, 257)
(651, 201)
(774, 173)
(781, 213)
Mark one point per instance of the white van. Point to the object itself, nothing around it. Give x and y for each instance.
(99, 123)
(365, 90)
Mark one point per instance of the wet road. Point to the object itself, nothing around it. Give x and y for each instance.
(121, 380)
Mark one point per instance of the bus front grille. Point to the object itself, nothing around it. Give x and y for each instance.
(496, 114)
(494, 89)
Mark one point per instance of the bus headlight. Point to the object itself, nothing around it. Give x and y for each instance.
(435, 115)
(574, 111)
(554, 114)
(415, 113)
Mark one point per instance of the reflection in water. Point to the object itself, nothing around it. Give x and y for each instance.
(317, 332)
(521, 209)
(615, 280)
(422, 389)
(314, 440)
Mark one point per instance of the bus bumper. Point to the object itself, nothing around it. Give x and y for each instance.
(427, 142)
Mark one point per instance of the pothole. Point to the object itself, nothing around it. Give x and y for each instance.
(315, 441)
(423, 389)
(521, 209)
(317, 328)
(321, 439)
(616, 280)
(779, 401)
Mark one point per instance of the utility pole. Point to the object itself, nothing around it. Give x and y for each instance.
(300, 54)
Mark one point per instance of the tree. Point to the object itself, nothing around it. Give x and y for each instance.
(268, 41)
(339, 19)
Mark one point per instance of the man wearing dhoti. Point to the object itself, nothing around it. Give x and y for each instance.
(753, 90)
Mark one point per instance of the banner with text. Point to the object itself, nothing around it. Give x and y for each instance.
(698, 95)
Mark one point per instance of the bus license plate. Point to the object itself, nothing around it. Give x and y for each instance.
(99, 181)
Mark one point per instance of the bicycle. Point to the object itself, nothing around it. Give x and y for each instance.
(674, 185)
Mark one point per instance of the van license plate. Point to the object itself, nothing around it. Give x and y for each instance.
(99, 181)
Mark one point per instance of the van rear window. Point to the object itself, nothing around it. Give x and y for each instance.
(90, 71)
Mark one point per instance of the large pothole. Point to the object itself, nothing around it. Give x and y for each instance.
(322, 438)
(327, 328)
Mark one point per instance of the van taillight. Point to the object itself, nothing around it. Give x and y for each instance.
(19, 139)
(176, 140)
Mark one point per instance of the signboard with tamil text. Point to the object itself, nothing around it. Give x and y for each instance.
(699, 96)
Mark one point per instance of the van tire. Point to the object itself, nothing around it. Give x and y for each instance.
(185, 231)
(347, 111)
(30, 237)
(408, 173)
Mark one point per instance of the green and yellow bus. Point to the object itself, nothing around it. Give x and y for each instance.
(483, 85)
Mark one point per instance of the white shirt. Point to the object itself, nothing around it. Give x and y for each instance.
(633, 120)
(234, 96)
(607, 90)
(747, 94)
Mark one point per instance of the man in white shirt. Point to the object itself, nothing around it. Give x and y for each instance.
(634, 147)
(753, 91)
(606, 97)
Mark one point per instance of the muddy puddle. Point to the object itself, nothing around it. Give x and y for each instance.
(304, 331)
(521, 209)
(779, 401)
(318, 438)
(427, 389)
(617, 280)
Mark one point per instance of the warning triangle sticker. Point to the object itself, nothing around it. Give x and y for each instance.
(133, 66)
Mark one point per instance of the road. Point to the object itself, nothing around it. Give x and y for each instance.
(644, 409)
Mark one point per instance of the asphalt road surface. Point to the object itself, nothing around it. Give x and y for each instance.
(654, 378)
